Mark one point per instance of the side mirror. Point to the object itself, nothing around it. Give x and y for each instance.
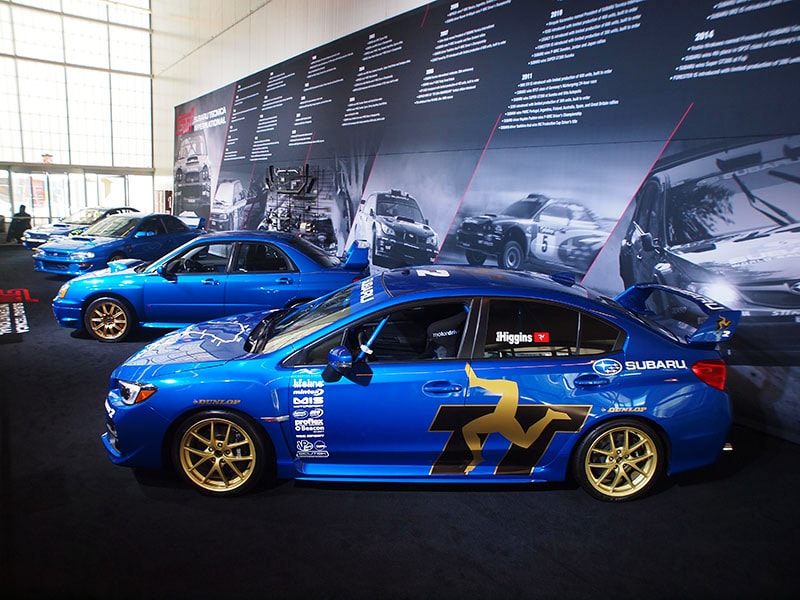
(166, 273)
(141, 234)
(648, 245)
(340, 362)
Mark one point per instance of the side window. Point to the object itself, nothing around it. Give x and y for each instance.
(174, 225)
(205, 258)
(428, 332)
(151, 227)
(528, 329)
(259, 258)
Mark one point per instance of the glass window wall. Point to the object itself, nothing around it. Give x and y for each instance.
(75, 106)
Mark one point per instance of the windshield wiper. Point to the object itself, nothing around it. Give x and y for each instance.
(780, 216)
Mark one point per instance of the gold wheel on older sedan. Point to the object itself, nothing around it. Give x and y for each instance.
(220, 453)
(108, 319)
(620, 460)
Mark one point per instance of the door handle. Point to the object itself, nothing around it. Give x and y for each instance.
(442, 387)
(591, 380)
(210, 282)
(284, 280)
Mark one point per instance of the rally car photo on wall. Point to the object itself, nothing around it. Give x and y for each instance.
(424, 374)
(538, 231)
(724, 222)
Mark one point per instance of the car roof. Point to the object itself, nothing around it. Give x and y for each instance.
(249, 235)
(474, 280)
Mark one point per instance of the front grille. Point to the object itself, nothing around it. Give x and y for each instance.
(55, 266)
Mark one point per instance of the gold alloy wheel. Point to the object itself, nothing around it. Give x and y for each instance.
(108, 319)
(217, 454)
(622, 461)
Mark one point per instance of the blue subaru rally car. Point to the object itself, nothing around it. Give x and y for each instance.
(144, 237)
(210, 276)
(437, 374)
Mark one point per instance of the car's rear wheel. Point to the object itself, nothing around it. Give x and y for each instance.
(221, 453)
(109, 319)
(475, 258)
(620, 460)
(512, 255)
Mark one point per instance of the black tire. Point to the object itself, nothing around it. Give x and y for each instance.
(512, 256)
(116, 256)
(109, 319)
(221, 453)
(475, 258)
(619, 460)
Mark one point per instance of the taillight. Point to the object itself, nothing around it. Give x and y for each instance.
(712, 372)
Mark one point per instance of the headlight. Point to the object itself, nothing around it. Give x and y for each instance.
(134, 393)
(721, 292)
(62, 291)
(433, 240)
(386, 229)
(39, 252)
(81, 255)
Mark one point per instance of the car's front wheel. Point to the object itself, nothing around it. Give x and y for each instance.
(221, 453)
(475, 258)
(109, 319)
(512, 255)
(620, 460)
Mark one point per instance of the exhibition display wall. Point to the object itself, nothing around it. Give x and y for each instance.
(639, 140)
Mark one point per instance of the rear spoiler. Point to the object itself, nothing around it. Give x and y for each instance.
(718, 327)
(357, 255)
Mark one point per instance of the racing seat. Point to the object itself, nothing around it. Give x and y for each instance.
(444, 336)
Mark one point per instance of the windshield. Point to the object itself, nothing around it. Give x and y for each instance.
(758, 197)
(117, 227)
(85, 216)
(306, 320)
(315, 253)
(399, 206)
(191, 145)
(524, 209)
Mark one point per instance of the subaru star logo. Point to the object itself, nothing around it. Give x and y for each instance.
(607, 366)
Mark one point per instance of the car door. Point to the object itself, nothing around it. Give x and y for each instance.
(531, 381)
(377, 422)
(192, 287)
(262, 277)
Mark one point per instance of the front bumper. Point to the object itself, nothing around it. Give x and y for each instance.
(62, 266)
(480, 242)
(67, 313)
(134, 434)
(403, 253)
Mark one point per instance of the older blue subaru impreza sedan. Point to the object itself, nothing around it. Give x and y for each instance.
(433, 374)
(210, 276)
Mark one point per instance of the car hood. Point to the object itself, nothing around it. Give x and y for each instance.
(403, 224)
(56, 228)
(492, 218)
(81, 242)
(749, 256)
(195, 347)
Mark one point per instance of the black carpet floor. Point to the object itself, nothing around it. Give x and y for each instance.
(75, 526)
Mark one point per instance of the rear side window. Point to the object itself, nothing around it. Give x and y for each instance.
(529, 329)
